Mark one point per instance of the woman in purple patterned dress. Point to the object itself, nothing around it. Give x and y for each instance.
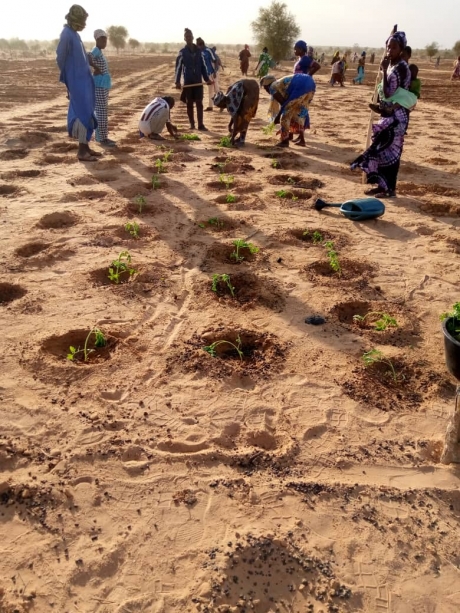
(382, 160)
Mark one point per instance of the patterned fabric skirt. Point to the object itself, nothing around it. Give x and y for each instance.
(249, 104)
(102, 114)
(295, 117)
(381, 161)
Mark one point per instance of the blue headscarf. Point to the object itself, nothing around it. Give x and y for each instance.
(301, 44)
(400, 38)
(300, 85)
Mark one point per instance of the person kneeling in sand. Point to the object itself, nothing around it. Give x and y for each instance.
(155, 117)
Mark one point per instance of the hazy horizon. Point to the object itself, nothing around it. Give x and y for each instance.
(329, 23)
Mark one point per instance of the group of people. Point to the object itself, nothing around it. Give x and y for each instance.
(88, 83)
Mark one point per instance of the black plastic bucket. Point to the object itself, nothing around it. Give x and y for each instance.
(452, 351)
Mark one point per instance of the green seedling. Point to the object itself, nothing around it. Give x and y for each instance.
(189, 137)
(226, 180)
(333, 257)
(291, 181)
(269, 129)
(140, 201)
(383, 322)
(230, 198)
(453, 326)
(215, 221)
(160, 166)
(225, 141)
(316, 238)
(221, 166)
(211, 349)
(155, 182)
(120, 266)
(133, 228)
(99, 341)
(275, 164)
(242, 244)
(374, 356)
(284, 193)
(216, 279)
(168, 155)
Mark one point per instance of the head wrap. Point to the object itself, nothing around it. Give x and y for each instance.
(301, 44)
(400, 38)
(76, 17)
(363, 54)
(99, 34)
(268, 80)
(246, 47)
(218, 98)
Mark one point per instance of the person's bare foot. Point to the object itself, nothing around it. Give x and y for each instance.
(85, 154)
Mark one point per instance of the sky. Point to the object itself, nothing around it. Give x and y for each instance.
(322, 22)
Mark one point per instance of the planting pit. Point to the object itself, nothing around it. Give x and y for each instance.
(10, 292)
(8, 190)
(14, 154)
(100, 277)
(57, 346)
(220, 185)
(22, 174)
(307, 237)
(261, 354)
(249, 291)
(416, 383)
(221, 225)
(232, 167)
(352, 272)
(407, 325)
(221, 252)
(31, 249)
(295, 181)
(55, 221)
(293, 195)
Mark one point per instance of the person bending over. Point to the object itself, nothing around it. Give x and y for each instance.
(155, 117)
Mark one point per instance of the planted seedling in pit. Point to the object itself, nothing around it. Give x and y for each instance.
(453, 326)
(269, 129)
(333, 257)
(230, 198)
(225, 141)
(275, 164)
(160, 166)
(120, 266)
(99, 341)
(226, 180)
(211, 349)
(316, 237)
(155, 182)
(240, 244)
(189, 137)
(133, 228)
(140, 201)
(284, 193)
(383, 322)
(374, 356)
(168, 155)
(216, 222)
(291, 181)
(216, 279)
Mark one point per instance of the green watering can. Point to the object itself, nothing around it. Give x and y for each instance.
(358, 209)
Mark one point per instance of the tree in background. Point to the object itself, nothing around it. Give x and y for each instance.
(432, 50)
(134, 44)
(117, 37)
(276, 29)
(456, 48)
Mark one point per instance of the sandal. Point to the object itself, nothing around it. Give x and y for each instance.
(374, 191)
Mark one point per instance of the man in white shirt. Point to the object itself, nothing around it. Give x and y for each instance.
(155, 117)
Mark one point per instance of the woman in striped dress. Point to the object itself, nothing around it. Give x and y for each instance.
(103, 83)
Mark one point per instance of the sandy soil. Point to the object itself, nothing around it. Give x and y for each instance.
(157, 478)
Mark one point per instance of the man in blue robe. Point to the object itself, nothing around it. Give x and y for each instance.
(77, 77)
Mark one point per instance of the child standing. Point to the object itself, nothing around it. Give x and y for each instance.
(103, 83)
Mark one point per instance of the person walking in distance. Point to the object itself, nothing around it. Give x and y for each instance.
(210, 61)
(76, 75)
(244, 56)
(103, 83)
(191, 67)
